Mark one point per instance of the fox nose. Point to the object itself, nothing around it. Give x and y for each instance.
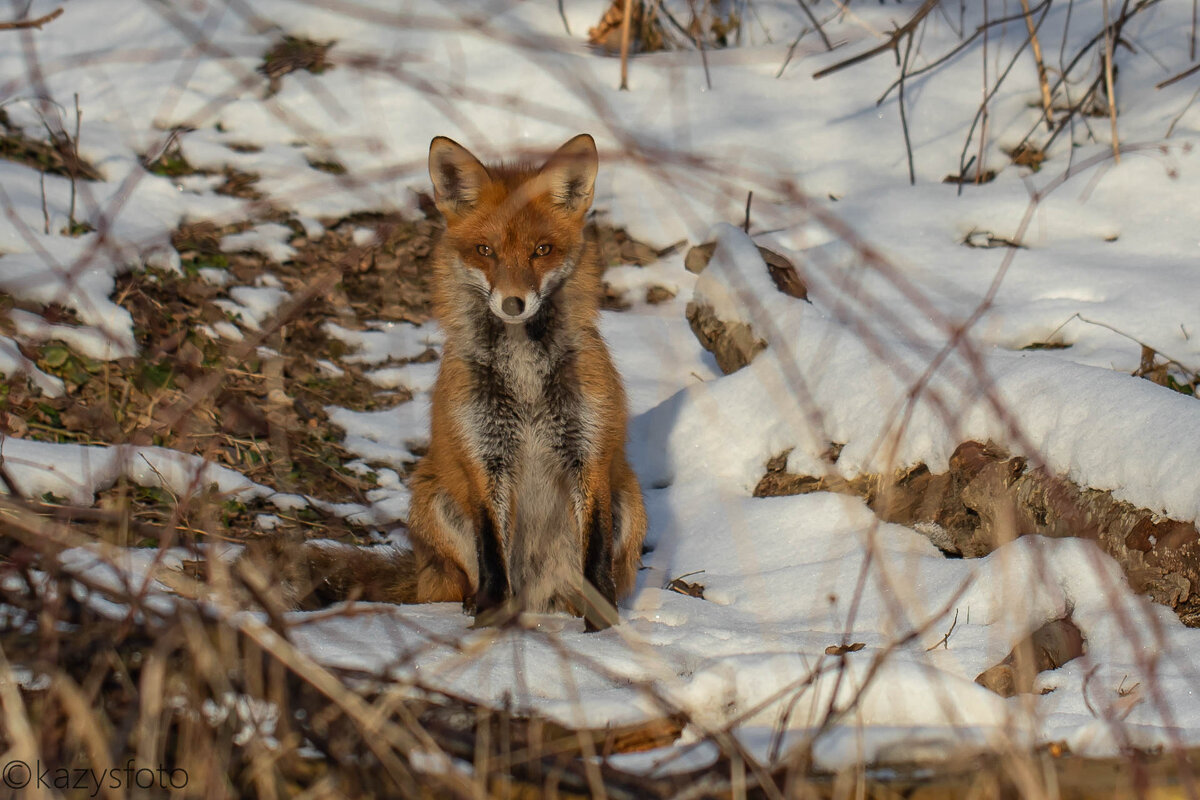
(513, 306)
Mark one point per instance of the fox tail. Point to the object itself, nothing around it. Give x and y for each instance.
(315, 574)
(377, 574)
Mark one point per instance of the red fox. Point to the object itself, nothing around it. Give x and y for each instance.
(525, 494)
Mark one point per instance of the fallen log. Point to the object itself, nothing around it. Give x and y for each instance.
(989, 497)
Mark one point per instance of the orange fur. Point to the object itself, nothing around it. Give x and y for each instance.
(499, 219)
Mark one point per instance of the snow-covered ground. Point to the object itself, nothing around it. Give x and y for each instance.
(1110, 261)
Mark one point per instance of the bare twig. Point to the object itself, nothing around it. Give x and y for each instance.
(912, 175)
(1193, 373)
(979, 31)
(1192, 70)
(893, 42)
(700, 44)
(816, 24)
(981, 156)
(562, 13)
(983, 106)
(31, 23)
(626, 25)
(74, 168)
(1074, 110)
(1179, 116)
(45, 211)
(945, 640)
(790, 52)
(1087, 678)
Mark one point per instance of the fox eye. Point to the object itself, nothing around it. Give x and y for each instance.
(483, 250)
(542, 250)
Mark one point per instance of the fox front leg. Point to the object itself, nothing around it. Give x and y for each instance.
(493, 436)
(599, 587)
(493, 589)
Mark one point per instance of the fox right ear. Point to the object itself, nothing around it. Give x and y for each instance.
(456, 174)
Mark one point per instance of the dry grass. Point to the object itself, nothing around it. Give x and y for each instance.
(100, 674)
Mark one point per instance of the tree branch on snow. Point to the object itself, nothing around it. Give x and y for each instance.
(893, 42)
(22, 24)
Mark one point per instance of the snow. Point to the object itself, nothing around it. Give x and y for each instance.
(217, 277)
(1108, 264)
(270, 239)
(13, 363)
(253, 305)
(385, 435)
(795, 397)
(84, 341)
(77, 472)
(417, 377)
(387, 340)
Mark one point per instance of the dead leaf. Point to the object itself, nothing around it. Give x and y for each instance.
(687, 587)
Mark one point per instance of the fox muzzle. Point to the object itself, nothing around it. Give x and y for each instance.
(513, 308)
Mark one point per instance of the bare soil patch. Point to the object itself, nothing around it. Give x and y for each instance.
(258, 405)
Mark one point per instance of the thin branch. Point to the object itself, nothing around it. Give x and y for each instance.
(626, 24)
(74, 167)
(31, 23)
(666, 12)
(979, 31)
(1193, 373)
(791, 51)
(562, 13)
(945, 640)
(45, 211)
(1192, 70)
(981, 156)
(700, 44)
(983, 106)
(1074, 110)
(893, 42)
(816, 24)
(912, 175)
(1112, 29)
(1171, 129)
(1065, 69)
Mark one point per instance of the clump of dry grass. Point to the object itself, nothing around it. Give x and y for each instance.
(201, 699)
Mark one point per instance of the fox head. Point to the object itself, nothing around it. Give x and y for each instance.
(516, 233)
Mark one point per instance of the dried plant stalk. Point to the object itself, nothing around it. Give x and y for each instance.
(626, 25)
(1043, 80)
(1108, 84)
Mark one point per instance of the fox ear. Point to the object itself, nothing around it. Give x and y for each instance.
(456, 174)
(570, 174)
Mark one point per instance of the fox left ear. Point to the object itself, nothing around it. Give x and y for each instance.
(571, 174)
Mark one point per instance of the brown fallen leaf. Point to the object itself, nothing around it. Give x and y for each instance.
(842, 649)
(99, 423)
(687, 587)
